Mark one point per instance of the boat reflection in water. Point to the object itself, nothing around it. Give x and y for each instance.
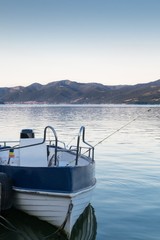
(20, 226)
(86, 226)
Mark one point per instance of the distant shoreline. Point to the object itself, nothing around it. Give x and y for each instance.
(69, 92)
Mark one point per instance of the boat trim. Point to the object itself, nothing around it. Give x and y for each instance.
(65, 195)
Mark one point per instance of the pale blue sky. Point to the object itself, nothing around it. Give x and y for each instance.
(107, 41)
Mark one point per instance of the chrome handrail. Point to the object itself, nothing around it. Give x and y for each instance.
(56, 141)
(82, 134)
(35, 144)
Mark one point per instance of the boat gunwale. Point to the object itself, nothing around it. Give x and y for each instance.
(51, 193)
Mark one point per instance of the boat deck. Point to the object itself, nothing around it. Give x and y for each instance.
(40, 152)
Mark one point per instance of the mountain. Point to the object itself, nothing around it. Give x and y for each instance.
(71, 92)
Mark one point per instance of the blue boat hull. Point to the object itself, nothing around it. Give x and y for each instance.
(51, 179)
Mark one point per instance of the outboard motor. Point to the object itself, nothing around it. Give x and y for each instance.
(27, 133)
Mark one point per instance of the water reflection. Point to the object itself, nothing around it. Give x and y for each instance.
(127, 194)
(86, 226)
(20, 226)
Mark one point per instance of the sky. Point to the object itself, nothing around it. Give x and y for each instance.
(111, 42)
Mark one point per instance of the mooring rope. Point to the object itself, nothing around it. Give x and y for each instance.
(10, 226)
(70, 207)
(117, 130)
(125, 125)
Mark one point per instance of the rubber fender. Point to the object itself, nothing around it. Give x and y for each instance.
(6, 192)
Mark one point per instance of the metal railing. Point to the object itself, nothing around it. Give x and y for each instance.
(89, 150)
(56, 141)
(6, 148)
(78, 149)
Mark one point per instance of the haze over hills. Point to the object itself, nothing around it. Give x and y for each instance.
(71, 92)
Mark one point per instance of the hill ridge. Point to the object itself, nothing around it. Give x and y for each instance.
(72, 92)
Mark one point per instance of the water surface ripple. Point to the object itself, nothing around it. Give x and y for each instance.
(127, 196)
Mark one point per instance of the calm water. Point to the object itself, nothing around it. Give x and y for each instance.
(127, 196)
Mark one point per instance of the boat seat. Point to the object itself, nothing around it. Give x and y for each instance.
(33, 156)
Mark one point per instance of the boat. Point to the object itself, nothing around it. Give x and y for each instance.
(25, 226)
(50, 180)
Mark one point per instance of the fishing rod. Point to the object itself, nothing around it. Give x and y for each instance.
(125, 125)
